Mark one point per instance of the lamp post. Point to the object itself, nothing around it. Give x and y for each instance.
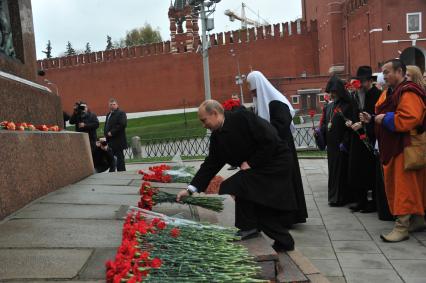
(239, 79)
(205, 8)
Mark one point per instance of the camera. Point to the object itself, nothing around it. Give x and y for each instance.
(80, 107)
(104, 143)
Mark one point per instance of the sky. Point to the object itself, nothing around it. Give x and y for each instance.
(82, 21)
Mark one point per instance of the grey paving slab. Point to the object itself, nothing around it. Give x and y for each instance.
(420, 236)
(95, 267)
(310, 236)
(98, 198)
(121, 190)
(318, 252)
(313, 221)
(368, 247)
(371, 276)
(338, 279)
(337, 222)
(137, 183)
(363, 261)
(76, 211)
(410, 268)
(328, 267)
(104, 181)
(60, 233)
(404, 250)
(116, 176)
(349, 235)
(41, 263)
(371, 222)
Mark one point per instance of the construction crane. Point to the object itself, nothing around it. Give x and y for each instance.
(244, 20)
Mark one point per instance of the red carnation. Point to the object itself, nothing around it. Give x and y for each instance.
(175, 232)
(356, 84)
(161, 225)
(156, 263)
(362, 136)
(312, 113)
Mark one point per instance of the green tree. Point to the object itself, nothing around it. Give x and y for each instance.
(48, 50)
(70, 51)
(88, 49)
(142, 35)
(109, 43)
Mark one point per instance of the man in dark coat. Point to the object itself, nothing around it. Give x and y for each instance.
(362, 163)
(263, 188)
(115, 133)
(85, 121)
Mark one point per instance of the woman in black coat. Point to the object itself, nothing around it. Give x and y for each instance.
(338, 137)
(274, 107)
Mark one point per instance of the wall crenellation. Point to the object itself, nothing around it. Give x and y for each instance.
(268, 32)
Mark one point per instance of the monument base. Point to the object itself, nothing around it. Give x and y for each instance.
(37, 163)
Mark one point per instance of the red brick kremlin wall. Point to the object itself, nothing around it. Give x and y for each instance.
(149, 77)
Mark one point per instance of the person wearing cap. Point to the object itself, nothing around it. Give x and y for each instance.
(85, 121)
(362, 173)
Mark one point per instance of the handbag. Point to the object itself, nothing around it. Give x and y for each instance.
(415, 153)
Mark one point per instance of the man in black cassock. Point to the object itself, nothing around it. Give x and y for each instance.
(263, 190)
(362, 163)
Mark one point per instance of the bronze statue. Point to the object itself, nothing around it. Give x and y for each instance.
(6, 39)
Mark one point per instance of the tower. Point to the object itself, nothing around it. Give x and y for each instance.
(183, 27)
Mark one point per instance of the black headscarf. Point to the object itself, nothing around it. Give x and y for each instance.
(337, 86)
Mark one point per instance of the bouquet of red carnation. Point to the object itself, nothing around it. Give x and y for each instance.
(230, 104)
(167, 174)
(151, 196)
(11, 126)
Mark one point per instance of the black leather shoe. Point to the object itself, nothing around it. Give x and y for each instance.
(247, 234)
(280, 247)
(357, 207)
(369, 208)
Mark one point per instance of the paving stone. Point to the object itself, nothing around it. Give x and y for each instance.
(371, 275)
(304, 264)
(412, 268)
(420, 236)
(349, 235)
(95, 268)
(260, 249)
(337, 222)
(116, 176)
(328, 267)
(368, 247)
(313, 213)
(363, 261)
(180, 186)
(52, 211)
(268, 269)
(63, 233)
(371, 222)
(338, 279)
(310, 236)
(316, 221)
(317, 252)
(79, 198)
(42, 263)
(288, 271)
(404, 250)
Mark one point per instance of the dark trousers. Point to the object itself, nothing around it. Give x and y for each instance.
(121, 166)
(249, 215)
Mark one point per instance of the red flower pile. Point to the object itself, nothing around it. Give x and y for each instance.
(158, 174)
(147, 192)
(133, 261)
(312, 113)
(11, 126)
(231, 103)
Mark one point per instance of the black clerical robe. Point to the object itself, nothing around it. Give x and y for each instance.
(246, 137)
(362, 164)
(280, 118)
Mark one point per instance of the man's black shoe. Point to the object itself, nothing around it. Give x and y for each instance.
(280, 247)
(370, 207)
(357, 207)
(247, 234)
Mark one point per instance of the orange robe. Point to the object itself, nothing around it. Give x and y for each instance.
(405, 190)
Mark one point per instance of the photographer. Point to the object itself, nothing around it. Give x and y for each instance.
(85, 121)
(103, 159)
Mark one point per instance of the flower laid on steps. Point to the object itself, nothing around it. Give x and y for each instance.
(11, 126)
(151, 196)
(176, 250)
(167, 174)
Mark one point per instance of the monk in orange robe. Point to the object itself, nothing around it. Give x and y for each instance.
(400, 110)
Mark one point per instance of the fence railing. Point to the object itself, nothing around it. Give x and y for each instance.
(199, 146)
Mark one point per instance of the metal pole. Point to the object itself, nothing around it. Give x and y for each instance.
(240, 80)
(205, 53)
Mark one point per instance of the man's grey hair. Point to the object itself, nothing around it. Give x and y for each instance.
(210, 105)
(112, 100)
